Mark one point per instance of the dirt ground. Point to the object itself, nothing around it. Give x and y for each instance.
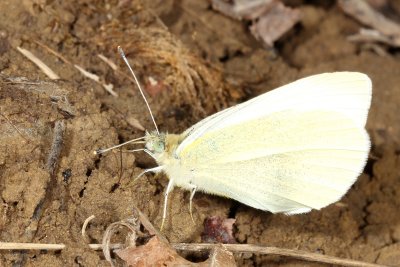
(203, 62)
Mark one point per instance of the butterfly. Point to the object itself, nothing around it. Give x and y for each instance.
(290, 150)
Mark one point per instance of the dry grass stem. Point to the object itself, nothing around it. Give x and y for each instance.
(85, 224)
(94, 77)
(298, 254)
(30, 246)
(58, 55)
(235, 248)
(49, 72)
(108, 62)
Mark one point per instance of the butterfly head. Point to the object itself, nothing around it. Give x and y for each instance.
(155, 142)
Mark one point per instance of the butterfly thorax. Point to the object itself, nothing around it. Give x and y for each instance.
(162, 146)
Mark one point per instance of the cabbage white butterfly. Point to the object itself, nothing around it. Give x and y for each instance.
(296, 148)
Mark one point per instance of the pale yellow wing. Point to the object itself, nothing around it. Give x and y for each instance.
(348, 93)
(289, 161)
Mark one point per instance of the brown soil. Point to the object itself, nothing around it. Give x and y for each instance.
(204, 62)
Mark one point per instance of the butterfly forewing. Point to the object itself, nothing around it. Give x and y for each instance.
(348, 93)
(296, 148)
(306, 159)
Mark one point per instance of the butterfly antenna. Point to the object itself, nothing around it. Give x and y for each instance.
(135, 141)
(121, 52)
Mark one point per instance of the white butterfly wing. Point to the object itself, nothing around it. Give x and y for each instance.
(299, 154)
(348, 93)
(286, 162)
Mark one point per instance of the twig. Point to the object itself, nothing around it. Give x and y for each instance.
(49, 72)
(108, 62)
(30, 246)
(303, 255)
(111, 246)
(109, 88)
(53, 52)
(236, 248)
(94, 77)
(41, 246)
(56, 146)
(25, 83)
(87, 74)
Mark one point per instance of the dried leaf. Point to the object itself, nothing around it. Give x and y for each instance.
(364, 13)
(275, 23)
(221, 257)
(157, 251)
(154, 253)
(271, 19)
(389, 31)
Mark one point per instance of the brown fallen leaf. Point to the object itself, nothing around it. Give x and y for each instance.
(220, 257)
(158, 253)
(154, 253)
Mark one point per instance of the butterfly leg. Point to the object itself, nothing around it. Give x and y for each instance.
(170, 186)
(155, 170)
(192, 192)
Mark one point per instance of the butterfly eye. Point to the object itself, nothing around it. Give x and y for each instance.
(156, 146)
(159, 146)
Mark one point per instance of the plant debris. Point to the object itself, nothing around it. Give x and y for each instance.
(46, 69)
(218, 230)
(270, 19)
(157, 251)
(154, 253)
(384, 30)
(275, 23)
